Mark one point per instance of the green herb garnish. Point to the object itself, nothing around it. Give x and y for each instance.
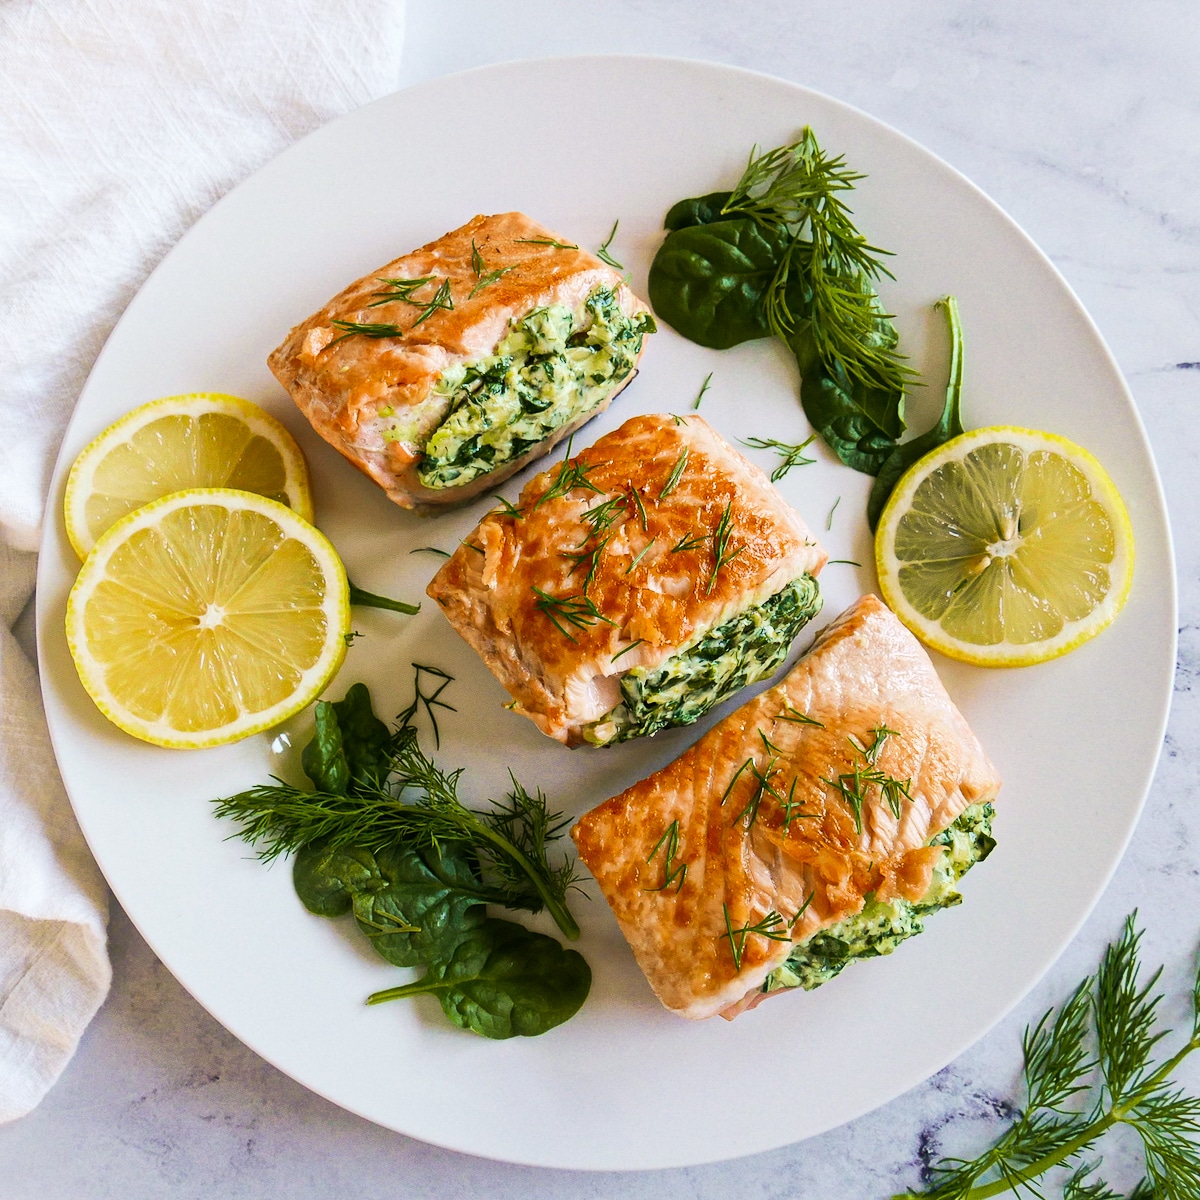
(769, 927)
(376, 788)
(399, 289)
(430, 550)
(579, 611)
(796, 717)
(547, 242)
(484, 278)
(829, 519)
(703, 389)
(689, 541)
(366, 329)
(853, 785)
(793, 455)
(632, 645)
(675, 475)
(736, 776)
(642, 554)
(1107, 1026)
(672, 873)
(441, 300)
(591, 557)
(571, 474)
(721, 552)
(602, 254)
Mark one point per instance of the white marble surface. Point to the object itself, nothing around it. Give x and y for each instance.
(1083, 120)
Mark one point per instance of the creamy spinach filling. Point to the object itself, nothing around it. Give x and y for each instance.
(551, 368)
(746, 648)
(881, 927)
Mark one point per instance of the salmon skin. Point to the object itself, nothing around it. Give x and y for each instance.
(774, 850)
(376, 399)
(613, 561)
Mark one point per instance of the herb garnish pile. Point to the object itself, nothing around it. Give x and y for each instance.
(383, 834)
(1089, 1067)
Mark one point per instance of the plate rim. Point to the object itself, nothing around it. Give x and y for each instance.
(51, 534)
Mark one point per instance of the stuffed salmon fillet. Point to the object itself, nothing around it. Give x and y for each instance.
(816, 824)
(635, 585)
(450, 368)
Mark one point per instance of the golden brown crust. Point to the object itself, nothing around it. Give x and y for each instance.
(653, 597)
(342, 386)
(866, 671)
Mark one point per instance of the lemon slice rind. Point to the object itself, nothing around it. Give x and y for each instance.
(1007, 653)
(335, 605)
(81, 479)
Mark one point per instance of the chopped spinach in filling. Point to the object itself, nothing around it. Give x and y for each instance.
(551, 368)
(880, 927)
(742, 650)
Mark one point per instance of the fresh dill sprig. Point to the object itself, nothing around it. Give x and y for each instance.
(853, 785)
(675, 475)
(484, 278)
(1106, 1027)
(428, 701)
(604, 516)
(772, 927)
(721, 552)
(796, 717)
(736, 776)
(571, 474)
(790, 805)
(792, 455)
(672, 873)
(703, 389)
(430, 550)
(547, 242)
(365, 329)
(762, 788)
(508, 508)
(399, 289)
(637, 500)
(591, 556)
(642, 554)
(632, 645)
(799, 188)
(829, 519)
(689, 541)
(579, 611)
(441, 300)
(408, 800)
(603, 255)
(845, 562)
(769, 745)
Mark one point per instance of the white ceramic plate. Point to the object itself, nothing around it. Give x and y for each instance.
(578, 143)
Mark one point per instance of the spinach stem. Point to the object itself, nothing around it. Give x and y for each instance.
(371, 600)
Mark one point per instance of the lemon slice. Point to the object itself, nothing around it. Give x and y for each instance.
(1005, 547)
(206, 616)
(180, 442)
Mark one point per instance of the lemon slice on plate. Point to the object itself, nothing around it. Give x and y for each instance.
(1005, 547)
(206, 616)
(201, 440)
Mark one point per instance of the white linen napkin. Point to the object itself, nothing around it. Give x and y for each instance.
(121, 121)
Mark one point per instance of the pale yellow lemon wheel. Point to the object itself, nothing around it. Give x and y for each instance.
(206, 616)
(200, 440)
(1005, 547)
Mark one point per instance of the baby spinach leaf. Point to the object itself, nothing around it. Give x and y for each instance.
(949, 424)
(366, 740)
(502, 980)
(699, 210)
(327, 878)
(860, 423)
(430, 900)
(324, 758)
(709, 281)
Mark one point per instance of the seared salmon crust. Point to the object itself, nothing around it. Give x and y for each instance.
(379, 398)
(619, 559)
(761, 813)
